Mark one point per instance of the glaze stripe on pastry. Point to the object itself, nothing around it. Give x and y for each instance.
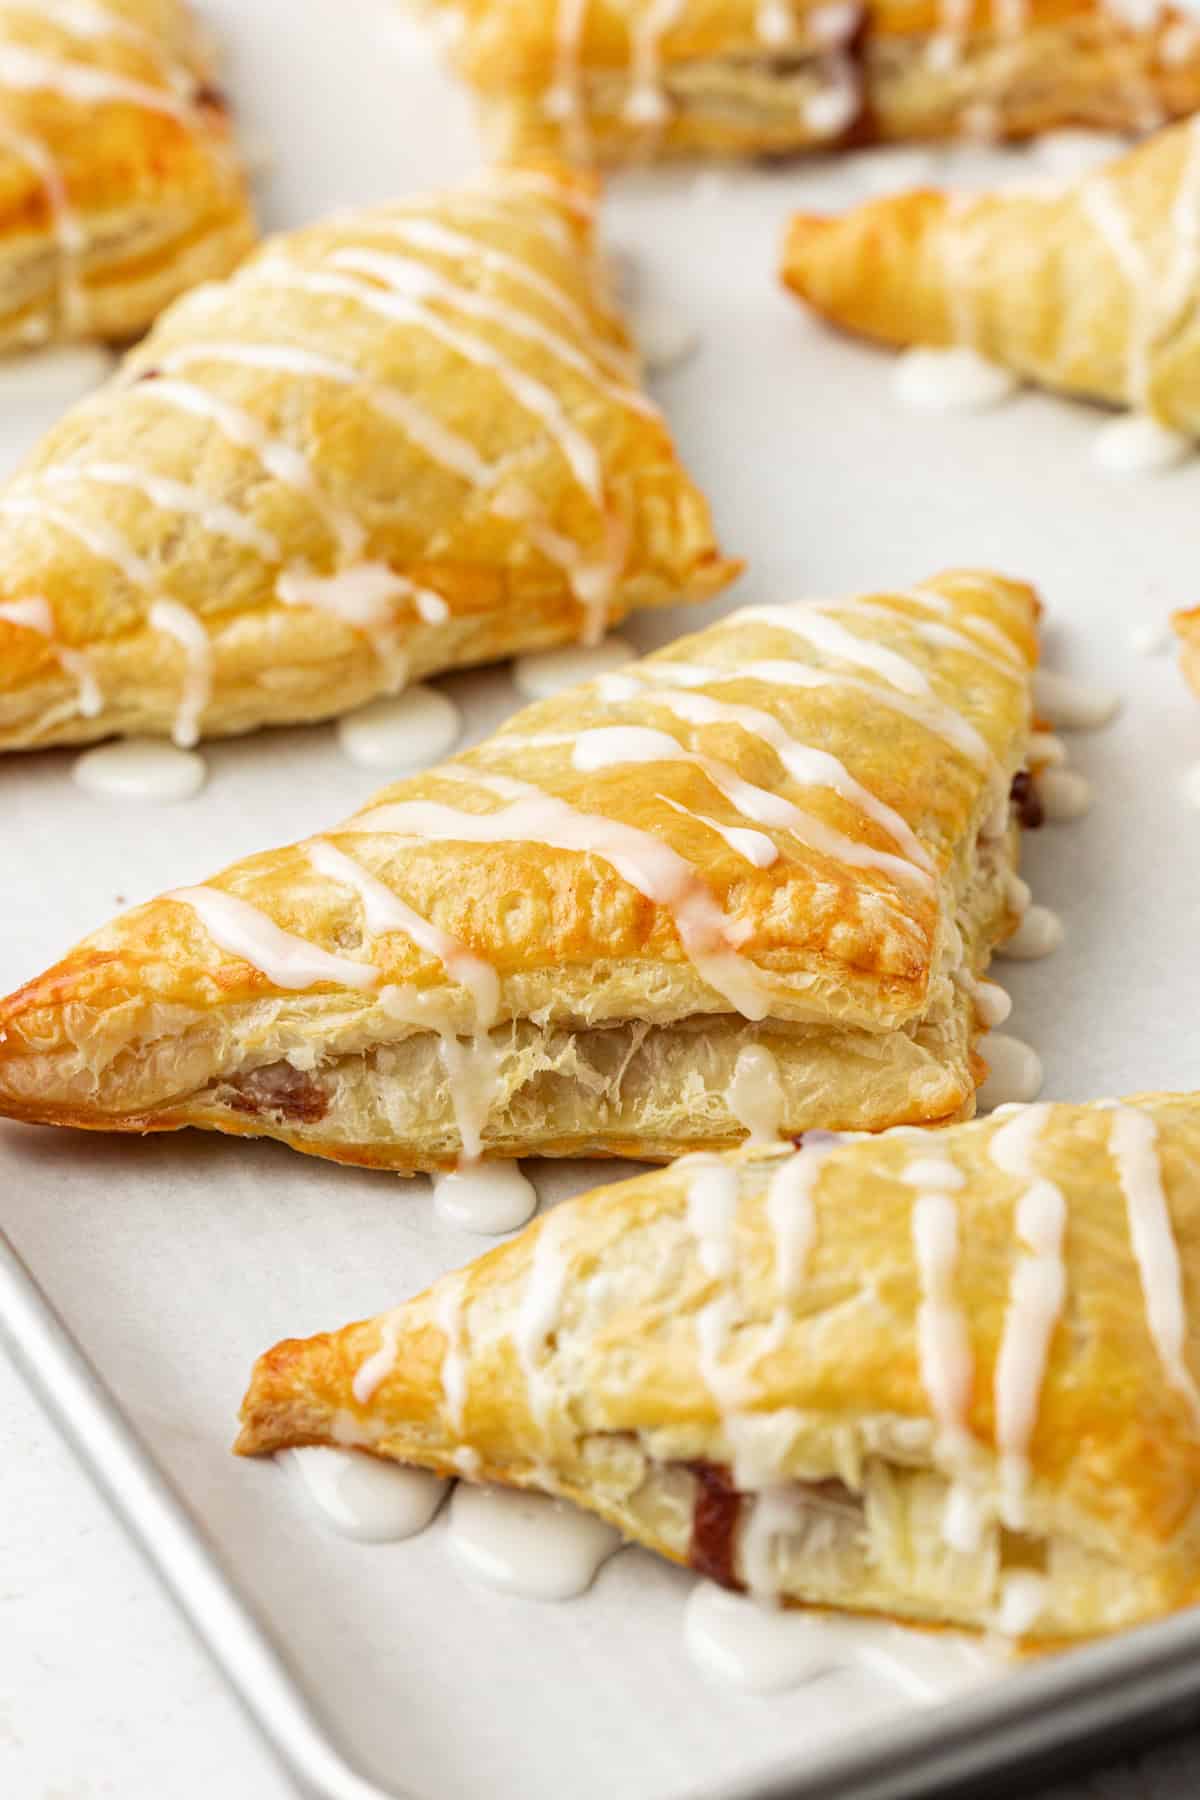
(599, 80)
(403, 441)
(115, 149)
(746, 885)
(1088, 287)
(930, 1378)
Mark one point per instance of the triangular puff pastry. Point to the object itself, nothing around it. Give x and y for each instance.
(401, 441)
(119, 188)
(610, 81)
(746, 884)
(1089, 287)
(951, 1379)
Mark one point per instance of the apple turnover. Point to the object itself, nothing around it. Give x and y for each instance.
(398, 442)
(119, 185)
(744, 887)
(1088, 287)
(608, 81)
(953, 1380)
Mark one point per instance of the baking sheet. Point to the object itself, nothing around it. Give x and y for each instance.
(178, 1259)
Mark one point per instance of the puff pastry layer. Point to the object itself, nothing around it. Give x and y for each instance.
(402, 441)
(1089, 287)
(749, 881)
(119, 187)
(603, 80)
(953, 1379)
(1187, 628)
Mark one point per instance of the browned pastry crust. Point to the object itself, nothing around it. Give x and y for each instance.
(928, 1378)
(770, 860)
(596, 80)
(1187, 629)
(405, 440)
(119, 185)
(1088, 286)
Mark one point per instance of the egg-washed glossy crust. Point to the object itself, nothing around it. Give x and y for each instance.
(119, 183)
(1088, 287)
(788, 835)
(598, 80)
(631, 1352)
(398, 442)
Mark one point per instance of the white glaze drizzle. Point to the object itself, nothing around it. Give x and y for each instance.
(760, 851)
(1015, 1072)
(1072, 705)
(1046, 750)
(1004, 658)
(216, 517)
(363, 597)
(451, 1301)
(401, 732)
(472, 1071)
(1037, 1291)
(791, 1214)
(286, 960)
(23, 70)
(141, 769)
(384, 911)
(954, 379)
(181, 624)
(415, 280)
(1008, 646)
(1137, 444)
(470, 1068)
(992, 1003)
(441, 240)
(827, 635)
(943, 1341)
(646, 103)
(541, 1303)
(934, 1172)
(104, 544)
(490, 204)
(437, 441)
(70, 239)
(529, 394)
(527, 1543)
(591, 581)
(712, 1202)
(1023, 1597)
(1133, 1145)
(285, 464)
(1039, 934)
(1155, 296)
(943, 721)
(755, 1095)
(364, 1497)
(374, 1370)
(610, 746)
(489, 1198)
(546, 184)
(1064, 795)
(805, 764)
(764, 1650)
(563, 100)
(706, 932)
